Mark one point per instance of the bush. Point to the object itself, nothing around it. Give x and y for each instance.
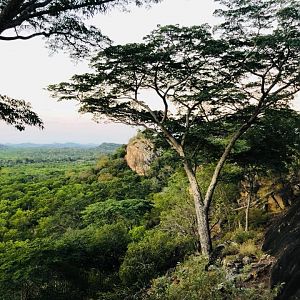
(156, 253)
(249, 248)
(240, 236)
(190, 281)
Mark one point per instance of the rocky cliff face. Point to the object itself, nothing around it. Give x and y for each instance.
(140, 153)
(274, 194)
(283, 241)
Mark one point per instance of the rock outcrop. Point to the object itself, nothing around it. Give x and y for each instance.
(283, 241)
(140, 153)
(274, 194)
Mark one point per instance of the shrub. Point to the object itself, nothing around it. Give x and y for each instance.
(240, 236)
(156, 253)
(249, 248)
(190, 281)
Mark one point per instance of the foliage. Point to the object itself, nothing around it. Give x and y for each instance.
(18, 113)
(63, 268)
(190, 280)
(66, 232)
(240, 236)
(62, 23)
(175, 208)
(59, 237)
(262, 146)
(156, 253)
(111, 211)
(13, 156)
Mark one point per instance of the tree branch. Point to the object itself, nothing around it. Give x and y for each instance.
(20, 37)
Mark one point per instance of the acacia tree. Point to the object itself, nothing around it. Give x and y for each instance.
(180, 67)
(201, 83)
(62, 23)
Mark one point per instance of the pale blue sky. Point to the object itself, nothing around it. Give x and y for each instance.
(27, 69)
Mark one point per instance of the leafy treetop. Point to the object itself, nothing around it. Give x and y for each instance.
(18, 113)
(62, 22)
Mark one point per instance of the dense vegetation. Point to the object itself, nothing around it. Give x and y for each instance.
(98, 230)
(65, 227)
(30, 154)
(223, 147)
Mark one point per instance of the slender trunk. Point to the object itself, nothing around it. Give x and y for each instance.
(251, 179)
(222, 160)
(247, 212)
(219, 167)
(203, 228)
(201, 212)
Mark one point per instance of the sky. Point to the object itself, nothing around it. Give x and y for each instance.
(27, 68)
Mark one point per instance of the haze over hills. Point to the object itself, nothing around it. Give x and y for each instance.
(106, 147)
(50, 145)
(30, 153)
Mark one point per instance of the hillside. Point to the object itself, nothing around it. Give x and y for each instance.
(98, 230)
(104, 147)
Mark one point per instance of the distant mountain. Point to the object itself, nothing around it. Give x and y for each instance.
(108, 147)
(104, 147)
(51, 146)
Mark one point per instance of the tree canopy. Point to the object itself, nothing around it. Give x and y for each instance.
(178, 65)
(61, 22)
(63, 25)
(18, 113)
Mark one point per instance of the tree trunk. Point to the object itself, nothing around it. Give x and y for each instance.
(203, 228)
(247, 211)
(201, 213)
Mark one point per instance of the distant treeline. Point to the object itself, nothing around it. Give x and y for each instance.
(15, 154)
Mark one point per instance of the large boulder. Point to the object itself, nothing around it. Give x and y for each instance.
(140, 153)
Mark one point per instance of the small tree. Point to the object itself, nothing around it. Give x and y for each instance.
(207, 88)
